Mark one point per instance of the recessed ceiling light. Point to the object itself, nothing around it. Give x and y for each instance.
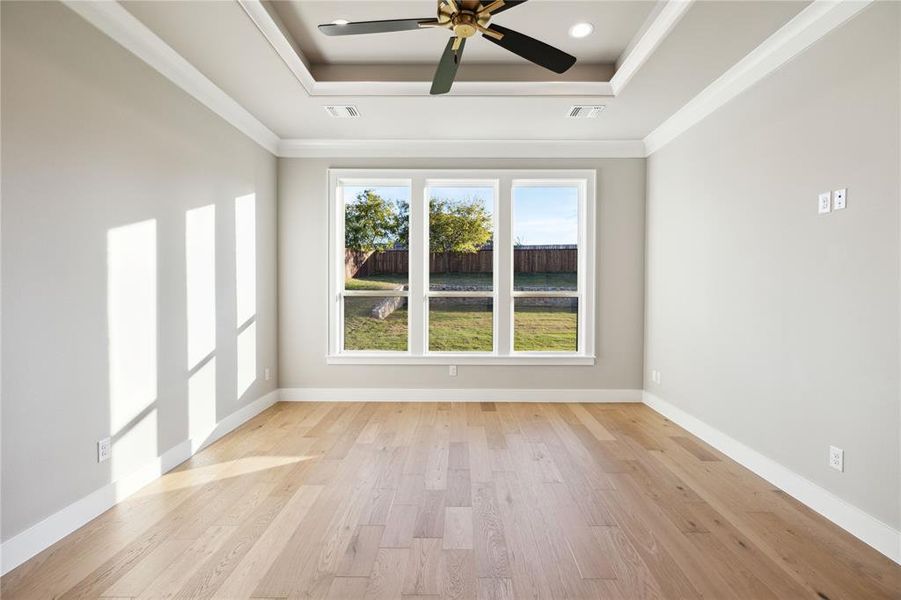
(580, 30)
(340, 22)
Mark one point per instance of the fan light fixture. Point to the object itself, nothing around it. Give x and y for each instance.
(580, 30)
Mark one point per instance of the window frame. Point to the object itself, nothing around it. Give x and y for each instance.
(503, 296)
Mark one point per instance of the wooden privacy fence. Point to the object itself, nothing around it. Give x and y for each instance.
(527, 259)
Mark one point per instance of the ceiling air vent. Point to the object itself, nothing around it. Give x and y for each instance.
(585, 111)
(346, 111)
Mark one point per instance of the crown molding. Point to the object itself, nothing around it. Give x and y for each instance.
(275, 32)
(123, 27)
(811, 24)
(310, 148)
(657, 27)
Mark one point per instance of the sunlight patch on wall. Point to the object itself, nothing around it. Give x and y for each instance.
(246, 290)
(200, 279)
(245, 258)
(132, 330)
(202, 401)
(247, 358)
(200, 285)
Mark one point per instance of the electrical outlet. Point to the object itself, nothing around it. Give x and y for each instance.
(267, 374)
(103, 450)
(452, 371)
(839, 199)
(824, 203)
(837, 458)
(655, 376)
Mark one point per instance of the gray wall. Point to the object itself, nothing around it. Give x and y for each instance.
(93, 139)
(303, 284)
(767, 321)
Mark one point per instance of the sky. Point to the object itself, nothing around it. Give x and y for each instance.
(541, 215)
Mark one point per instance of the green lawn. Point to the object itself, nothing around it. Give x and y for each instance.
(460, 329)
(482, 280)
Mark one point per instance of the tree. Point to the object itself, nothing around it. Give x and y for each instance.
(370, 223)
(457, 226)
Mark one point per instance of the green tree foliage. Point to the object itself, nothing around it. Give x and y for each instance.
(370, 223)
(462, 226)
(374, 225)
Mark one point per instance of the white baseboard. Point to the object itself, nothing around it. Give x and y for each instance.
(44, 534)
(300, 394)
(858, 523)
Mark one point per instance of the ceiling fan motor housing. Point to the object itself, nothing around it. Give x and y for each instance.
(465, 23)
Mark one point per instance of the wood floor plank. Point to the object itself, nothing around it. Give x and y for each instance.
(459, 488)
(361, 552)
(591, 423)
(458, 574)
(247, 575)
(496, 589)
(387, 578)
(461, 501)
(142, 575)
(345, 588)
(489, 542)
(423, 574)
(458, 533)
(400, 527)
(173, 578)
(430, 515)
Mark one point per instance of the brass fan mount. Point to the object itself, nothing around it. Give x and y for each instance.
(465, 18)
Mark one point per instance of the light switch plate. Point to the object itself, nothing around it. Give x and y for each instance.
(825, 203)
(452, 371)
(839, 199)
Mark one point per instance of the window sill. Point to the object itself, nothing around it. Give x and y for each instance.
(463, 359)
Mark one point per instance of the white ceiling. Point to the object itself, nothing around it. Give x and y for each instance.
(615, 22)
(225, 45)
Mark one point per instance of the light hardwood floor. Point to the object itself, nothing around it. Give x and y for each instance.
(458, 501)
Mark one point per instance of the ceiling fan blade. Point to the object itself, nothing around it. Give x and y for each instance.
(531, 49)
(507, 5)
(447, 67)
(361, 27)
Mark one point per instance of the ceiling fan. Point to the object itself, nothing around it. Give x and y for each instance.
(465, 18)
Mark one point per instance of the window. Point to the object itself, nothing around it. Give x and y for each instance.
(462, 267)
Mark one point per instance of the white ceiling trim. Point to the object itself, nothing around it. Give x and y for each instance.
(811, 24)
(276, 34)
(120, 25)
(594, 89)
(301, 148)
(659, 25)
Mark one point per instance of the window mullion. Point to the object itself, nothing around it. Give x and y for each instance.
(418, 265)
(503, 306)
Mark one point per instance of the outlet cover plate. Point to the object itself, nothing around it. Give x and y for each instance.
(824, 203)
(837, 458)
(103, 450)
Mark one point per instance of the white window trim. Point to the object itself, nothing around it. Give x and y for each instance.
(502, 294)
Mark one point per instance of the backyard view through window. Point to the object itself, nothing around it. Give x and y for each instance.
(545, 268)
(451, 266)
(376, 223)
